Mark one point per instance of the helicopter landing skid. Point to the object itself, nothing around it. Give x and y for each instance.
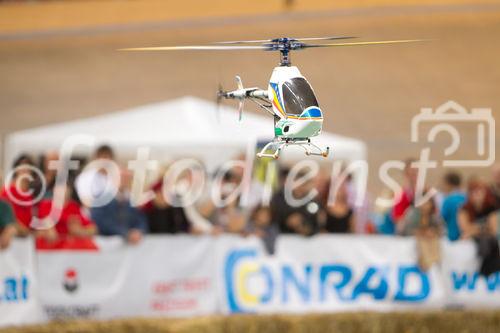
(278, 145)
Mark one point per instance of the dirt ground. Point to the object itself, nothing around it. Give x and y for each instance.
(390, 322)
(56, 66)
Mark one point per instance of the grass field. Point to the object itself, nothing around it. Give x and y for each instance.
(448, 321)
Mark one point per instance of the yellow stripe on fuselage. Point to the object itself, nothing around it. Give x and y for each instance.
(277, 104)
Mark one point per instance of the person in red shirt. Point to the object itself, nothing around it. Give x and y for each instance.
(73, 229)
(405, 198)
(18, 193)
(73, 220)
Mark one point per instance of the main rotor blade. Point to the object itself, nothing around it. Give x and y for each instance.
(244, 41)
(267, 47)
(272, 40)
(325, 38)
(368, 43)
(196, 47)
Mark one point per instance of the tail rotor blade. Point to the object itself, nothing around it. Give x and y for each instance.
(240, 110)
(239, 83)
(219, 95)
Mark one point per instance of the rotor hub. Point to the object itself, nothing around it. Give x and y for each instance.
(284, 46)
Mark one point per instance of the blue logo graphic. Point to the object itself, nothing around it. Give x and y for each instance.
(14, 289)
(468, 281)
(315, 283)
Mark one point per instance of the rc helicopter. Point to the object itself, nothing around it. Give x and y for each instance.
(289, 97)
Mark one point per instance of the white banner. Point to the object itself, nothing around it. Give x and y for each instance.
(465, 287)
(167, 275)
(19, 302)
(330, 273)
(192, 276)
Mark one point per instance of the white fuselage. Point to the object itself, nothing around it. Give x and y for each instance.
(294, 104)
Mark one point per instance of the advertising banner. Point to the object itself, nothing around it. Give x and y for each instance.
(168, 276)
(19, 301)
(184, 276)
(465, 287)
(330, 273)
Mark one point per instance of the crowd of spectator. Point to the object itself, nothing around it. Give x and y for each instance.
(457, 211)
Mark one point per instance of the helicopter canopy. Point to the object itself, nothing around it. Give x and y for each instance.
(298, 96)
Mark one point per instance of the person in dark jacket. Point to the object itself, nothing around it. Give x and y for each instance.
(473, 220)
(262, 226)
(119, 217)
(164, 218)
(296, 219)
(339, 216)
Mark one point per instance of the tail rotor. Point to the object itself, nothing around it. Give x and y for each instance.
(239, 94)
(241, 100)
(220, 94)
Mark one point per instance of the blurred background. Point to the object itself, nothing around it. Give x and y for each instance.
(59, 60)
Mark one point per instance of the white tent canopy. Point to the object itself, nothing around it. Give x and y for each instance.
(184, 127)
